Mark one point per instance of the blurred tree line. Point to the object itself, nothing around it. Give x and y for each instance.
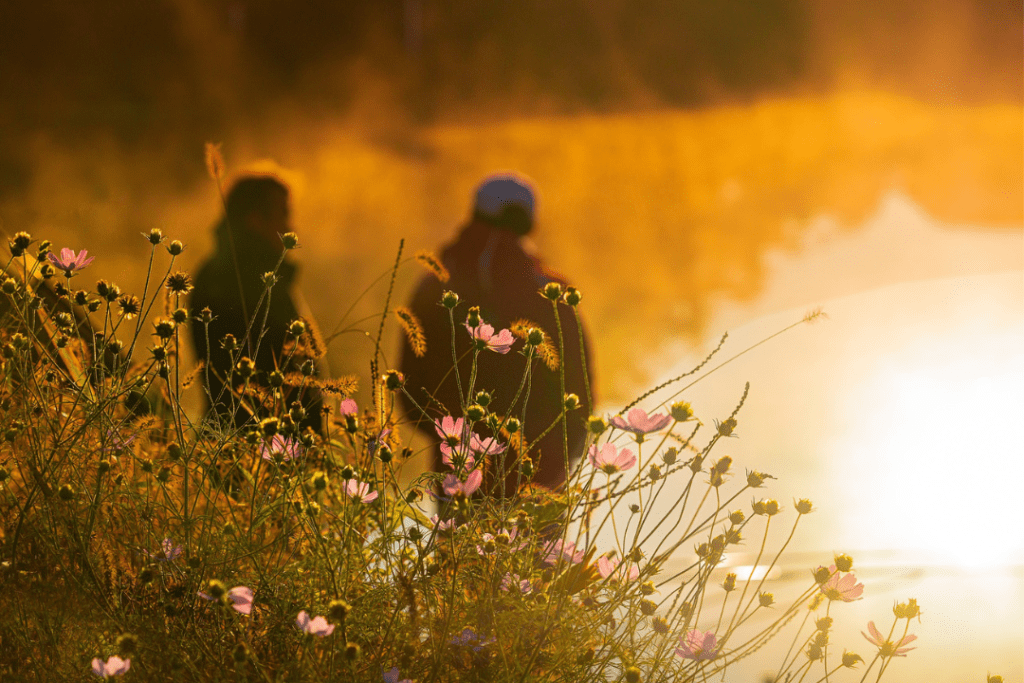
(140, 71)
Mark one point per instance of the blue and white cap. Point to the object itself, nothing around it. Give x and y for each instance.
(500, 190)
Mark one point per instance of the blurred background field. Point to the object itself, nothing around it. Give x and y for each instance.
(701, 167)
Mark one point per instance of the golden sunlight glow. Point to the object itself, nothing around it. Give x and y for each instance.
(941, 457)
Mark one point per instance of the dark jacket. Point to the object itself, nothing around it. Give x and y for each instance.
(490, 268)
(217, 287)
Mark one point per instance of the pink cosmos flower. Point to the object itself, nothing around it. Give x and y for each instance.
(168, 551)
(442, 525)
(486, 338)
(639, 422)
(240, 598)
(69, 262)
(391, 676)
(317, 626)
(348, 407)
(522, 585)
(607, 567)
(846, 588)
(610, 459)
(697, 646)
(453, 486)
(360, 490)
(449, 429)
(886, 648)
(280, 447)
(115, 666)
(558, 549)
(458, 458)
(488, 446)
(511, 540)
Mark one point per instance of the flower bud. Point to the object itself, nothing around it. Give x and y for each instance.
(352, 651)
(103, 467)
(393, 380)
(647, 588)
(512, 425)
(696, 463)
(634, 508)
(146, 575)
(384, 453)
(632, 674)
(635, 555)
(449, 300)
(475, 413)
(126, 644)
(319, 481)
(216, 589)
(571, 401)
(10, 286)
(907, 610)
(552, 291)
(648, 607)
(337, 610)
(730, 582)
(597, 425)
(766, 599)
(737, 517)
(347, 473)
(844, 563)
(164, 328)
(179, 316)
(821, 575)
(240, 654)
(820, 638)
(473, 319)
(659, 625)
(155, 236)
(307, 368)
(245, 368)
(823, 624)
(771, 507)
(175, 248)
(229, 343)
(759, 507)
(534, 337)
(573, 296)
(727, 427)
(290, 240)
(755, 479)
(164, 474)
(654, 473)
(681, 411)
(669, 456)
(814, 652)
(269, 426)
(850, 660)
(66, 492)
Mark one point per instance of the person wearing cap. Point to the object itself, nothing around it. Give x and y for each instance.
(492, 266)
(230, 283)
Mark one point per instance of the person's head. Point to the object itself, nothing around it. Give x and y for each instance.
(507, 201)
(258, 205)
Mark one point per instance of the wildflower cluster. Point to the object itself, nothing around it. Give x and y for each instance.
(268, 551)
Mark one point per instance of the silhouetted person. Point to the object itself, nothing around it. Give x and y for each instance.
(492, 267)
(231, 284)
